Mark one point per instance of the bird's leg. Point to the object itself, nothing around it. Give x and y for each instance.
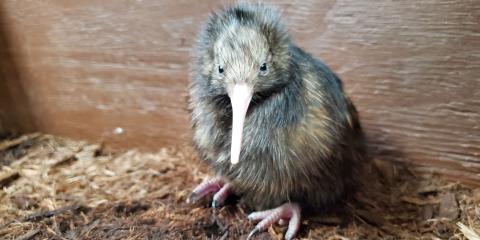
(288, 211)
(214, 185)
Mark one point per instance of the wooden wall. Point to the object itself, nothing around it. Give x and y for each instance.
(84, 68)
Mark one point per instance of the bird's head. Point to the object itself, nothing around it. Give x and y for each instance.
(242, 53)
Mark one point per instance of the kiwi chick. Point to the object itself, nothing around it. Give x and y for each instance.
(270, 120)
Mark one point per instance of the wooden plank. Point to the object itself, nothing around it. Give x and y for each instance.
(85, 68)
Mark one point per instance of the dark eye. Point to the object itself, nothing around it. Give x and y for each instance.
(263, 67)
(220, 69)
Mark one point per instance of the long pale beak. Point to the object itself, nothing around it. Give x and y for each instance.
(240, 97)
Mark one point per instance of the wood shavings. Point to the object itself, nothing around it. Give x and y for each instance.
(469, 233)
(7, 178)
(29, 235)
(4, 145)
(68, 189)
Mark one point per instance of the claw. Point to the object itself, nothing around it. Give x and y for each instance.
(253, 232)
(192, 198)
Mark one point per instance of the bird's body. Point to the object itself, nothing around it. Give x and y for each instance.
(302, 142)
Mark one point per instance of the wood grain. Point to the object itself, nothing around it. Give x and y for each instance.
(85, 68)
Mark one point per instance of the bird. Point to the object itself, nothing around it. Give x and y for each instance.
(270, 120)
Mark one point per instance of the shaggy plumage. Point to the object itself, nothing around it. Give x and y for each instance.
(302, 141)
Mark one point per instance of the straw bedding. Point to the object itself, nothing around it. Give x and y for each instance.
(55, 188)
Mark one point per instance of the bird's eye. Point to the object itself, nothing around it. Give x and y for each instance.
(263, 68)
(220, 69)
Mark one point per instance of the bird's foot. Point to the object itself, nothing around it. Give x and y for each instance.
(215, 185)
(288, 211)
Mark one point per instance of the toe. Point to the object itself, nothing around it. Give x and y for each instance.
(255, 216)
(220, 196)
(270, 219)
(294, 223)
(204, 189)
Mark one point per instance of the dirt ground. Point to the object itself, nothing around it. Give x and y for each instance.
(54, 188)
